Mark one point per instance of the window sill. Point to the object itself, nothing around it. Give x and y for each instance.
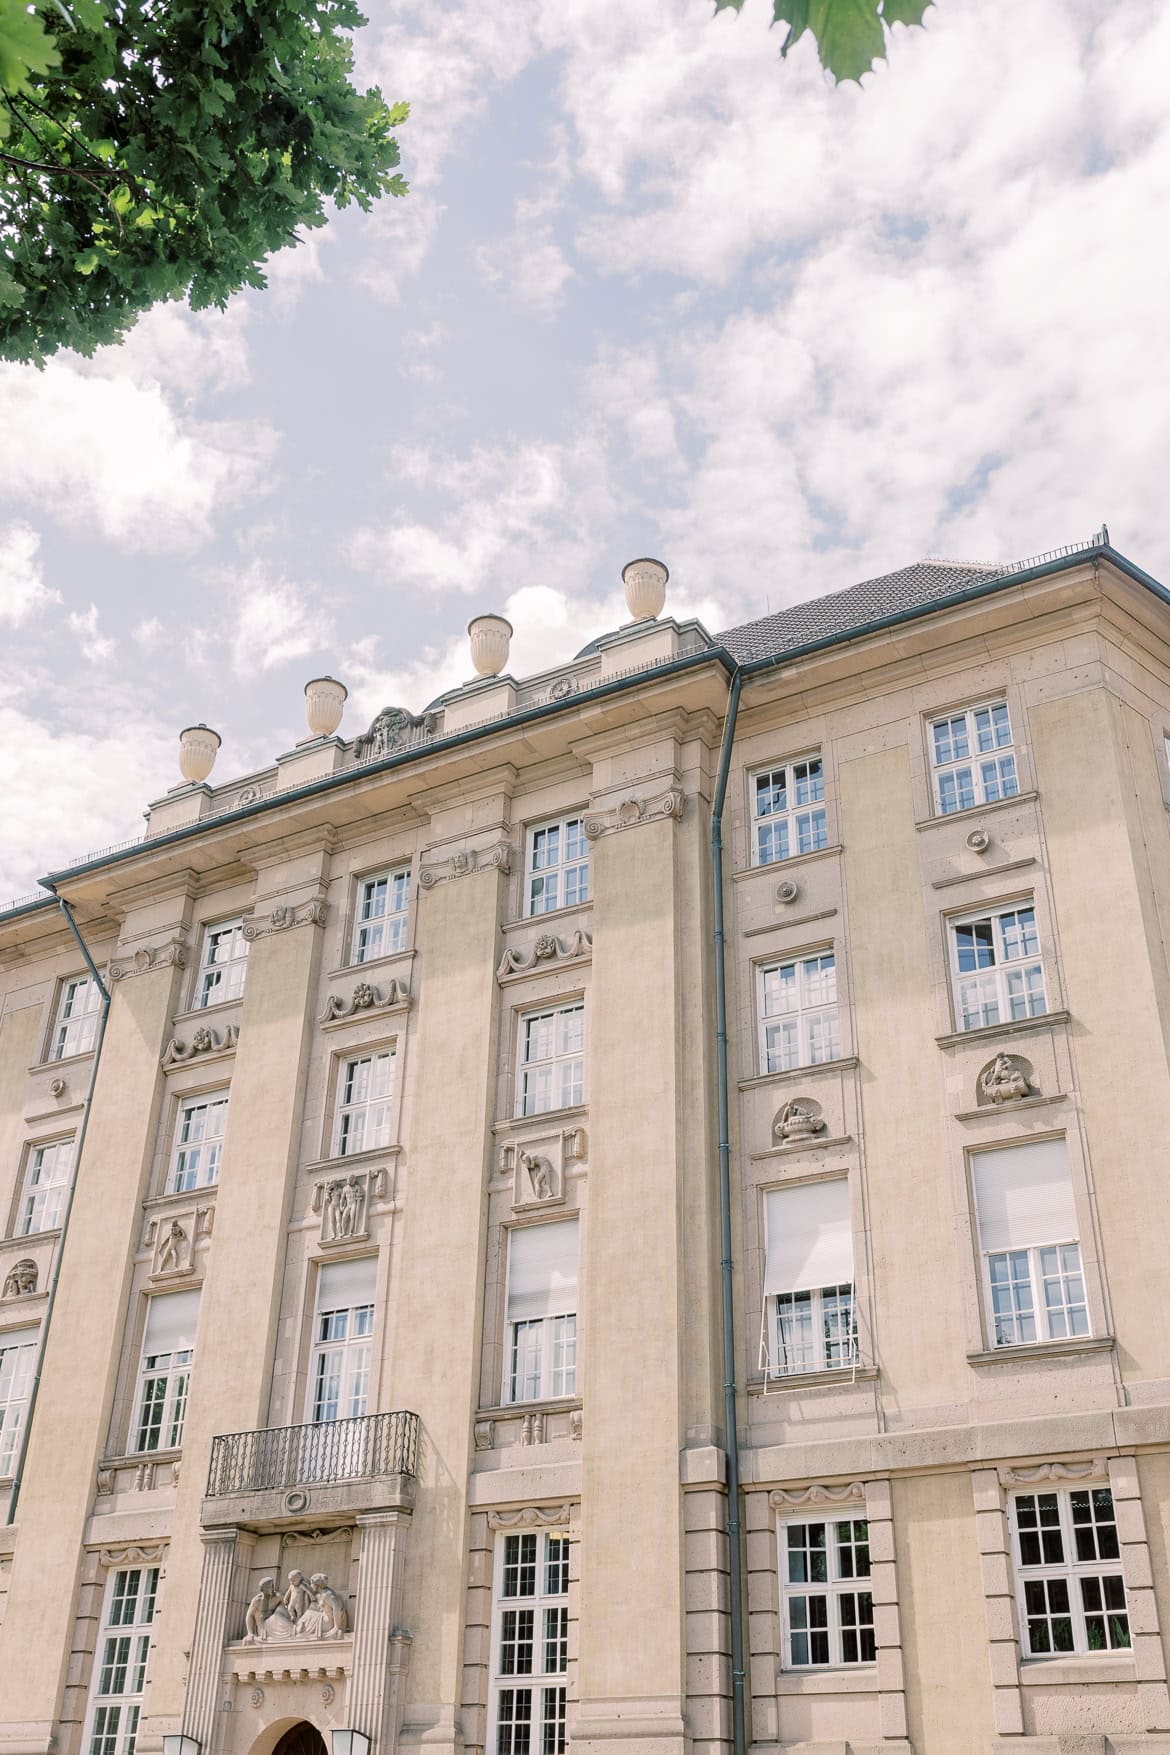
(982, 871)
(776, 866)
(975, 810)
(1076, 1671)
(845, 1064)
(795, 1148)
(537, 920)
(838, 1377)
(352, 1160)
(1017, 1027)
(66, 1062)
(547, 1118)
(170, 1200)
(360, 969)
(561, 1404)
(797, 920)
(1010, 1108)
(195, 1013)
(1043, 1349)
(856, 1679)
(23, 1237)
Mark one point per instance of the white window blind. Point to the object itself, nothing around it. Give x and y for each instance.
(1023, 1196)
(542, 1271)
(810, 1243)
(170, 1323)
(342, 1285)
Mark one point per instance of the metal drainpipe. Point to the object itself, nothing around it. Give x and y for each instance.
(734, 1536)
(55, 1270)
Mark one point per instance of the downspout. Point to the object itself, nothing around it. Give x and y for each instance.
(55, 1270)
(734, 1535)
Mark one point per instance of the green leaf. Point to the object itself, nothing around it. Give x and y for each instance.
(850, 34)
(26, 48)
(905, 11)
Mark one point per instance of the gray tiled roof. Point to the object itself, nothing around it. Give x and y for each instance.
(920, 586)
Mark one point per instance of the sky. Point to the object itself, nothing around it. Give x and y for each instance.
(654, 291)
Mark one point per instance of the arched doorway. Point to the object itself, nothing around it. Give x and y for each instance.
(301, 1739)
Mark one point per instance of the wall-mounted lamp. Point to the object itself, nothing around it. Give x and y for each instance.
(179, 1745)
(347, 1743)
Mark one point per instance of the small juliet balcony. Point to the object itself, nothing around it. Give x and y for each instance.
(324, 1473)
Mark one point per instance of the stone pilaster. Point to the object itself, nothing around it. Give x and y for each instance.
(224, 1558)
(379, 1607)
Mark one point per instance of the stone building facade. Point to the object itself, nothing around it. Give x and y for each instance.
(361, 1329)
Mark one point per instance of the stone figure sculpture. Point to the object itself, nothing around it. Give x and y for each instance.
(297, 1597)
(539, 1173)
(344, 1203)
(21, 1279)
(305, 1611)
(1003, 1082)
(171, 1254)
(327, 1617)
(260, 1612)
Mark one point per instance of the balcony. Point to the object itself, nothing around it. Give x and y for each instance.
(323, 1472)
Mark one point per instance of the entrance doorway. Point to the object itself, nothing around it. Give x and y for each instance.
(301, 1739)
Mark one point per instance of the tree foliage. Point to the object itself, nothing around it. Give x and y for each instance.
(162, 149)
(850, 34)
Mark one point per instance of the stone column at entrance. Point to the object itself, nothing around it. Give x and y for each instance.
(223, 1552)
(379, 1600)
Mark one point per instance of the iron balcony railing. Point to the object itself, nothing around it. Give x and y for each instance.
(320, 1455)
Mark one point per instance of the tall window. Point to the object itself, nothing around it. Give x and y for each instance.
(558, 866)
(1069, 1586)
(552, 1059)
(379, 927)
(810, 1319)
(972, 757)
(798, 1013)
(164, 1375)
(828, 1607)
(1029, 1240)
(996, 968)
(364, 1095)
(541, 1345)
(224, 964)
(343, 1324)
(45, 1183)
(119, 1673)
(199, 1142)
(530, 1643)
(17, 1351)
(77, 1016)
(788, 816)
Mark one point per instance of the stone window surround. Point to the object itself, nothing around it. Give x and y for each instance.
(184, 1083)
(751, 1029)
(97, 1563)
(56, 998)
(525, 831)
(561, 987)
(995, 682)
(996, 698)
(769, 764)
(1038, 896)
(28, 1152)
(495, 1315)
(127, 1384)
(347, 913)
(200, 930)
(389, 1037)
(291, 1376)
(771, 746)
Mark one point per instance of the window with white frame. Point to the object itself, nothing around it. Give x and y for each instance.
(198, 1144)
(119, 1671)
(1069, 1586)
(551, 1059)
(788, 816)
(1029, 1244)
(164, 1375)
(45, 1184)
(343, 1326)
(810, 1318)
(17, 1353)
(77, 1018)
(223, 965)
(996, 967)
(529, 1643)
(972, 757)
(365, 1094)
(540, 1350)
(383, 905)
(557, 870)
(827, 1602)
(798, 1020)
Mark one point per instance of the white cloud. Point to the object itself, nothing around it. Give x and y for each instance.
(95, 646)
(23, 592)
(148, 633)
(528, 267)
(274, 624)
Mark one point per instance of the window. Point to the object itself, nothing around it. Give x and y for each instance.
(364, 1094)
(379, 928)
(530, 1643)
(165, 1372)
(552, 1059)
(828, 1621)
(1028, 1236)
(45, 1183)
(77, 1016)
(224, 965)
(199, 1142)
(810, 1318)
(17, 1351)
(787, 815)
(557, 874)
(972, 758)
(119, 1673)
(541, 1343)
(343, 1323)
(996, 968)
(798, 1013)
(1069, 1587)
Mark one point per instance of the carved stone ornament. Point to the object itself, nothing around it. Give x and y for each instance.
(532, 1429)
(284, 915)
(576, 1423)
(798, 1121)
(133, 1554)
(562, 688)
(21, 1279)
(365, 998)
(203, 1041)
(172, 955)
(257, 1696)
(495, 858)
(343, 1203)
(1006, 1079)
(57, 1087)
(1020, 1475)
(483, 1432)
(249, 795)
(306, 1609)
(817, 1493)
(633, 811)
(548, 948)
(788, 891)
(174, 1248)
(537, 1174)
(105, 1482)
(531, 1517)
(391, 730)
(979, 840)
(328, 1694)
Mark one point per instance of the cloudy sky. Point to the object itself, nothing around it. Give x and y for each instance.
(653, 291)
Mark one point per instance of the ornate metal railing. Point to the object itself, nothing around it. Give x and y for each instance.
(320, 1455)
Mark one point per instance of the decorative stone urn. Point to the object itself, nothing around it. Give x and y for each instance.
(325, 698)
(490, 637)
(198, 748)
(645, 583)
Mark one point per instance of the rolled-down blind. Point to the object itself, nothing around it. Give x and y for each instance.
(170, 1322)
(344, 1285)
(1023, 1196)
(542, 1271)
(809, 1241)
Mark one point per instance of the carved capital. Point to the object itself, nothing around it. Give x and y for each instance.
(548, 948)
(632, 812)
(284, 916)
(495, 858)
(171, 955)
(818, 1493)
(531, 1517)
(366, 998)
(203, 1041)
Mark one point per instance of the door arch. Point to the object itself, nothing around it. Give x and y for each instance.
(290, 1736)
